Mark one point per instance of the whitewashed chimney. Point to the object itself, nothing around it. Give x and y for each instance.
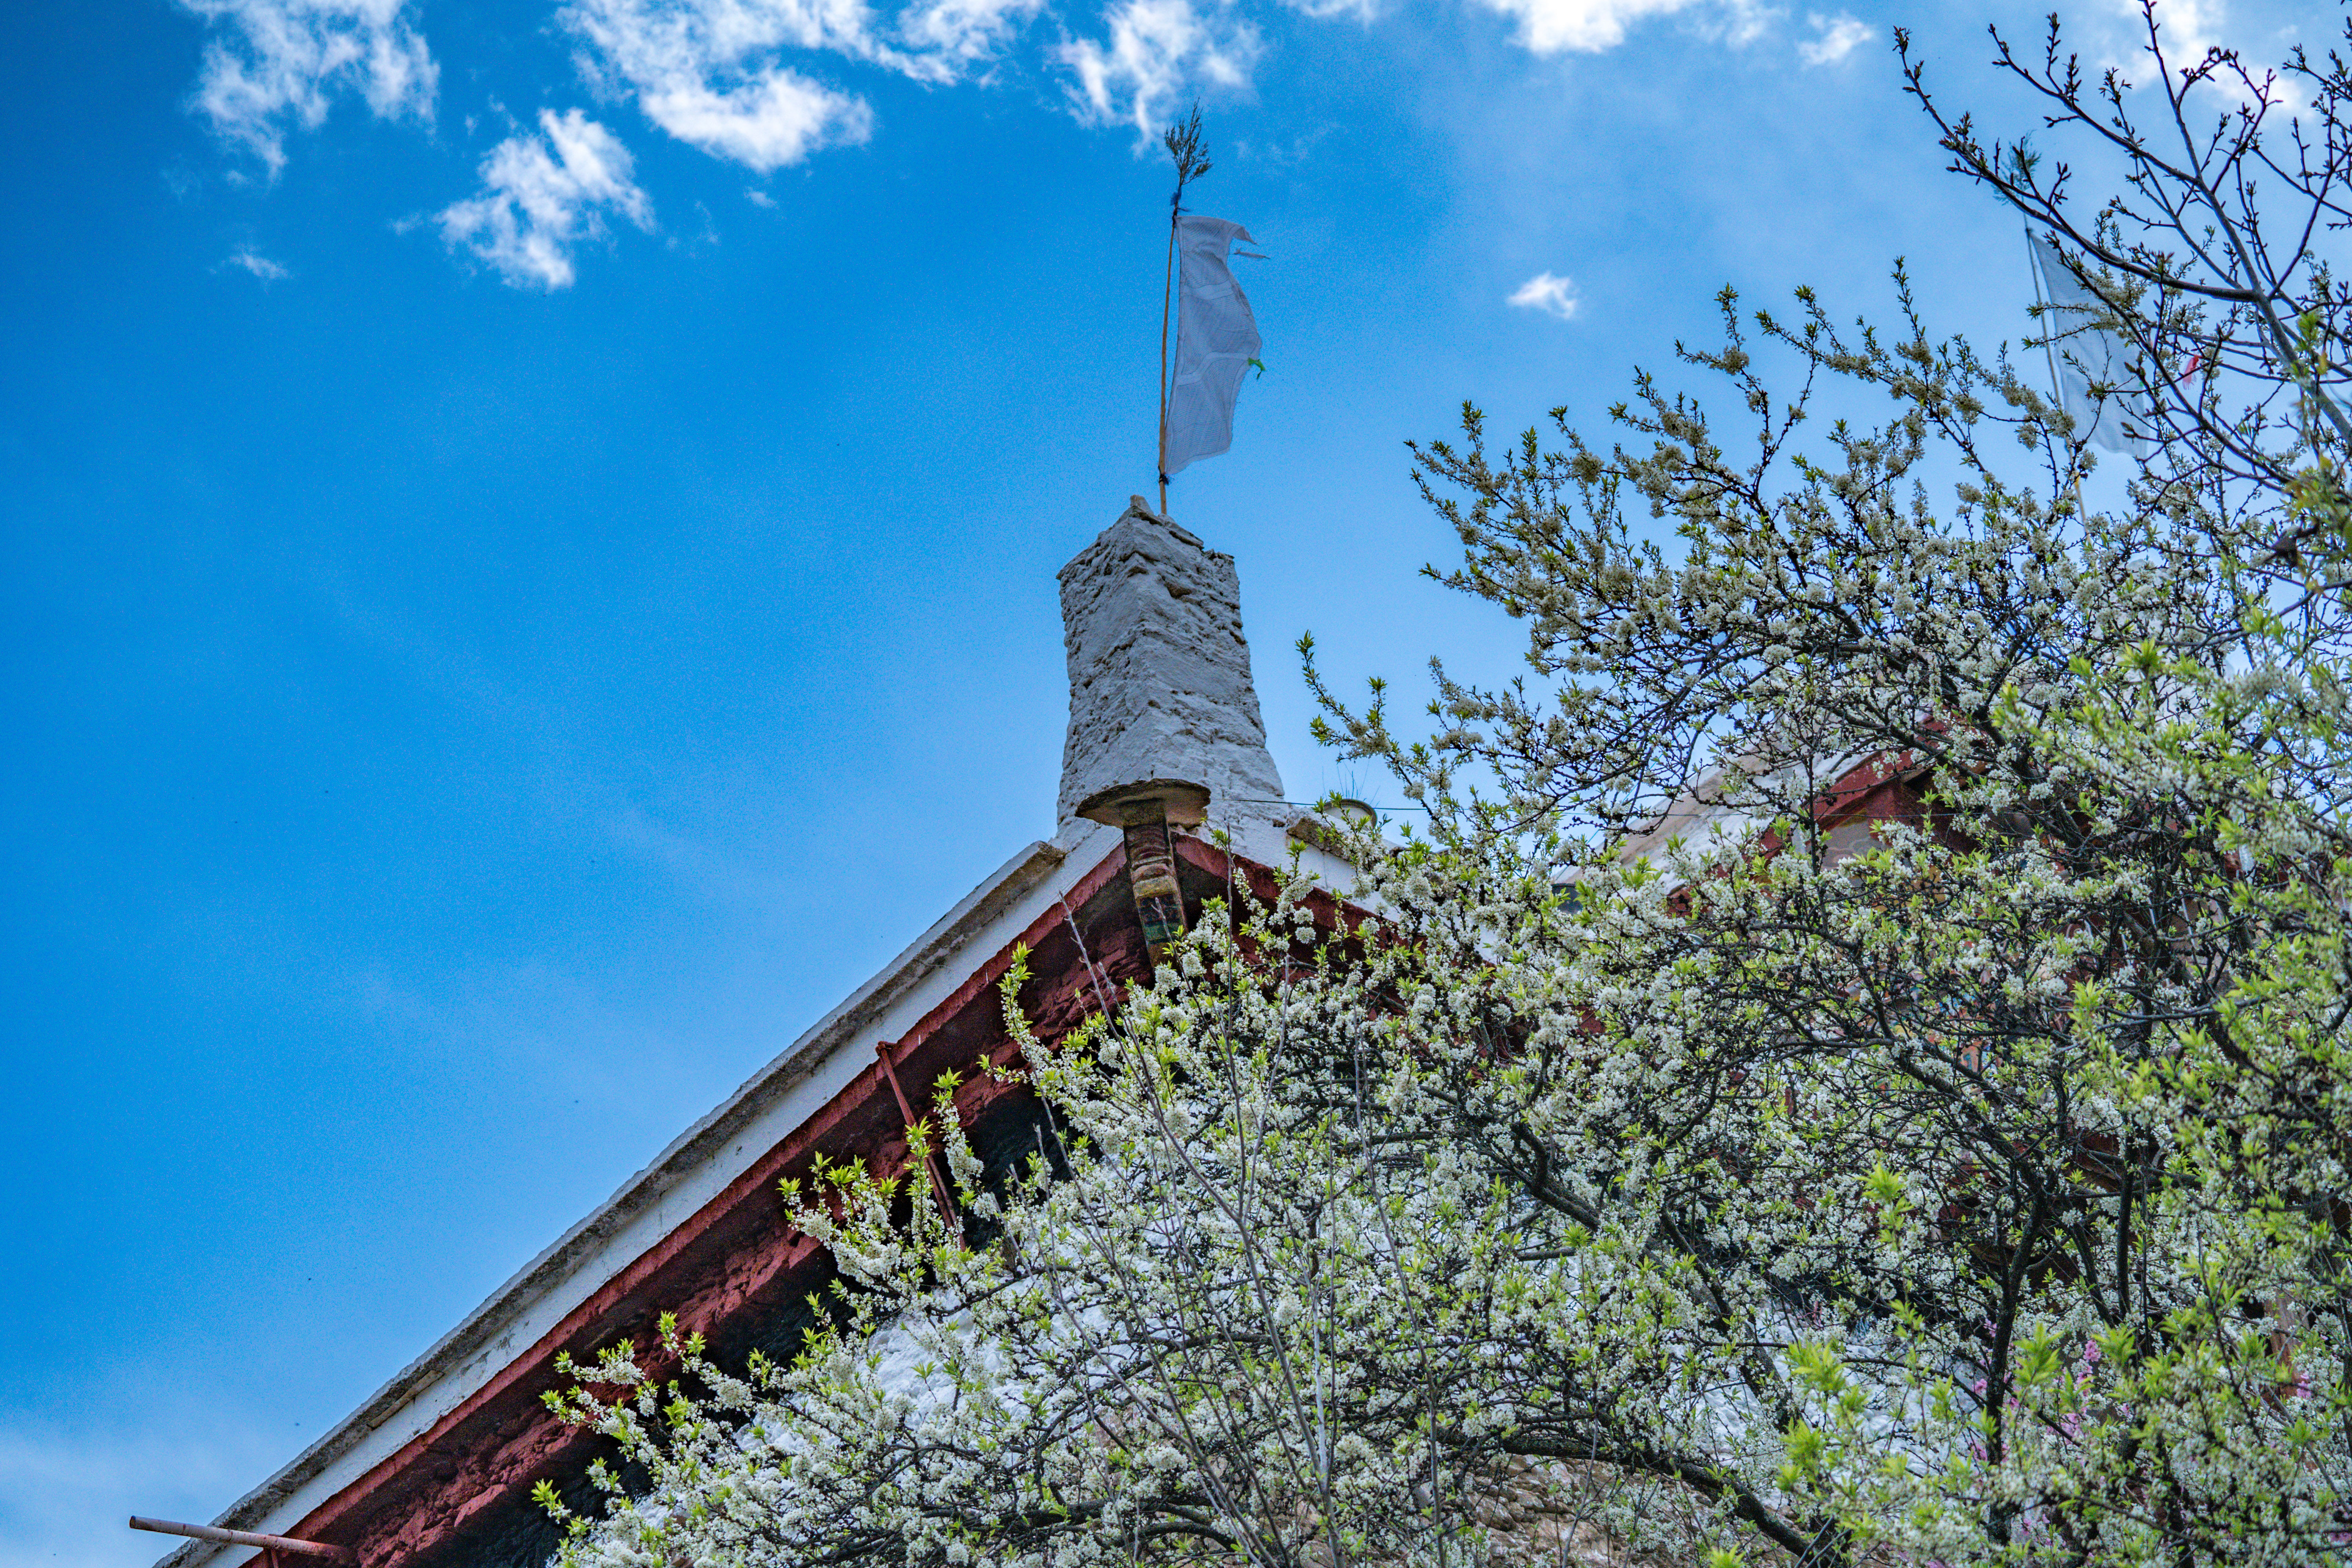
(1162, 706)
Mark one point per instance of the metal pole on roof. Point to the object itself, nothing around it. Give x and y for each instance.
(270, 1543)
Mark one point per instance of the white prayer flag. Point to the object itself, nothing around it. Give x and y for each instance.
(1216, 339)
(2083, 353)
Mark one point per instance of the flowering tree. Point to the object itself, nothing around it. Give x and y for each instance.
(2211, 251)
(1969, 1189)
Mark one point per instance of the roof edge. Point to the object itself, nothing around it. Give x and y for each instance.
(915, 964)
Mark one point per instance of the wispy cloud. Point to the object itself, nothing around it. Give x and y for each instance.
(542, 195)
(1365, 11)
(1552, 295)
(743, 80)
(1156, 51)
(1595, 27)
(253, 261)
(2189, 27)
(766, 121)
(708, 72)
(1587, 27)
(1834, 37)
(945, 40)
(2186, 30)
(273, 65)
(1745, 21)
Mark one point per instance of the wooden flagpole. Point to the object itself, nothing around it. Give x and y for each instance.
(1183, 141)
(1167, 292)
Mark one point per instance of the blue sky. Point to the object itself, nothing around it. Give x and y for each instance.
(529, 542)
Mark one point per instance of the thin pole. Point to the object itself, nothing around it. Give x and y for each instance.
(1183, 141)
(272, 1544)
(1167, 303)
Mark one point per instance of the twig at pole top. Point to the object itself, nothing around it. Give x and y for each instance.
(1188, 150)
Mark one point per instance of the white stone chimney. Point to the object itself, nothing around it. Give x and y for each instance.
(1162, 707)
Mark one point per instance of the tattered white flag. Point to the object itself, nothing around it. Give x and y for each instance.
(2084, 354)
(1216, 340)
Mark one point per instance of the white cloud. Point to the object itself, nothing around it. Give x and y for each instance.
(2187, 31)
(2190, 29)
(544, 194)
(947, 37)
(253, 261)
(1552, 295)
(1748, 20)
(1157, 49)
(777, 118)
(707, 72)
(1835, 39)
(1587, 27)
(1364, 11)
(284, 61)
(704, 71)
(658, 40)
(1593, 26)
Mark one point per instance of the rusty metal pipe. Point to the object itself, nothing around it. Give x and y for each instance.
(248, 1538)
